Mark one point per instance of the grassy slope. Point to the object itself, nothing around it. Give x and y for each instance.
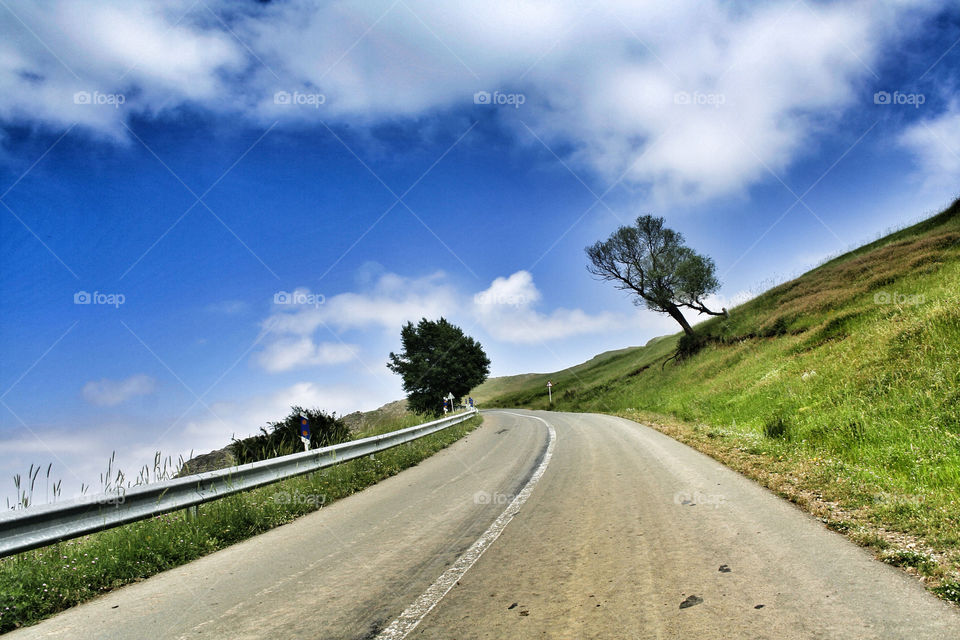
(37, 584)
(867, 392)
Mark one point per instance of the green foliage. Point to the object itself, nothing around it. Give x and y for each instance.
(777, 428)
(949, 590)
(652, 263)
(437, 359)
(778, 327)
(283, 438)
(908, 558)
(689, 345)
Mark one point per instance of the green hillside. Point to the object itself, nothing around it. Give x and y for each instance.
(840, 389)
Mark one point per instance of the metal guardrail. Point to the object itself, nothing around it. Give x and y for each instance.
(45, 524)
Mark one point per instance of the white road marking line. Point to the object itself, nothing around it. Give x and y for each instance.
(416, 612)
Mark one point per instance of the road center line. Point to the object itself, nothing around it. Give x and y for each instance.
(416, 612)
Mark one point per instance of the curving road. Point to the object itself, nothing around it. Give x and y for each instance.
(537, 525)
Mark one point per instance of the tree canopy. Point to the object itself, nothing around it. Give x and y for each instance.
(437, 359)
(653, 263)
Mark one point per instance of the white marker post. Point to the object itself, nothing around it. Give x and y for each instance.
(550, 391)
(449, 399)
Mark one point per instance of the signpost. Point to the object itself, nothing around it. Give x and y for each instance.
(448, 402)
(305, 433)
(550, 391)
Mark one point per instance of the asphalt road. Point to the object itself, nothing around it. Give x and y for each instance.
(601, 529)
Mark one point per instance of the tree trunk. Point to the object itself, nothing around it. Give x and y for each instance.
(676, 314)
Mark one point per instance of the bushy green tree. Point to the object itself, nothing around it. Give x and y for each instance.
(653, 263)
(437, 359)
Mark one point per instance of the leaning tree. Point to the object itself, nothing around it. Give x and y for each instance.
(437, 359)
(653, 263)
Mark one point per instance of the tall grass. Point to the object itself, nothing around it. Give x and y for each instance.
(36, 584)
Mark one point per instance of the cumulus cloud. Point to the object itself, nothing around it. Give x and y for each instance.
(288, 353)
(109, 393)
(63, 63)
(506, 311)
(935, 143)
(298, 316)
(695, 99)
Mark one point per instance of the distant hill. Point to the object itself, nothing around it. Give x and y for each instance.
(495, 387)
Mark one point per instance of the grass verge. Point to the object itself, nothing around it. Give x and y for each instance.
(40, 583)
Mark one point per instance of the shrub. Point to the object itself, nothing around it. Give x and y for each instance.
(779, 327)
(689, 345)
(777, 428)
(283, 438)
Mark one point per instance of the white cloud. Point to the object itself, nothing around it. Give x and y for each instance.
(109, 393)
(758, 79)
(387, 305)
(392, 301)
(140, 51)
(935, 142)
(505, 310)
(287, 353)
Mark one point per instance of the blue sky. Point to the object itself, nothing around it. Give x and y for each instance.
(187, 165)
